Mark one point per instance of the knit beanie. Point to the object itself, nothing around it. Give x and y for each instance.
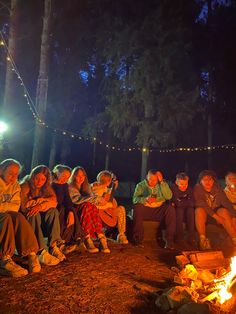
(205, 173)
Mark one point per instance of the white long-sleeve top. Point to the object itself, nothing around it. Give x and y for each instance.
(9, 196)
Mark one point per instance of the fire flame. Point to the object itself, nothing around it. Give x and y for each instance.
(223, 283)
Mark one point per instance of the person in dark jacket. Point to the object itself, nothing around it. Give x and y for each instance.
(71, 230)
(212, 203)
(183, 201)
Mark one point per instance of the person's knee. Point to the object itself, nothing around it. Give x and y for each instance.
(53, 212)
(223, 212)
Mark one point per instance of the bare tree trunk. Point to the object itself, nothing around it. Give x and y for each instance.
(210, 89)
(107, 159)
(145, 154)
(65, 150)
(9, 98)
(42, 87)
(53, 152)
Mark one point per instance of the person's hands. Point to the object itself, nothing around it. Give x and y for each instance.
(159, 176)
(219, 219)
(102, 201)
(106, 197)
(151, 199)
(34, 210)
(70, 219)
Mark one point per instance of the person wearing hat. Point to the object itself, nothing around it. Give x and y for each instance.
(212, 203)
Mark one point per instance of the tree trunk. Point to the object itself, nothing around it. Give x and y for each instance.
(145, 154)
(107, 159)
(9, 97)
(210, 89)
(42, 87)
(53, 152)
(65, 150)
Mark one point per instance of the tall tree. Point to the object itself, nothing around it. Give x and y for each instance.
(9, 96)
(42, 86)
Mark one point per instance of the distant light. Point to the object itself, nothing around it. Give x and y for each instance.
(3, 127)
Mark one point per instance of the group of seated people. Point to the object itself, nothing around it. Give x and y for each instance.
(207, 202)
(64, 208)
(59, 205)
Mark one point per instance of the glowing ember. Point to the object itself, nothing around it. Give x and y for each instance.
(223, 283)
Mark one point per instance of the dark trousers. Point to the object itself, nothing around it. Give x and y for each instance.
(74, 232)
(184, 214)
(165, 213)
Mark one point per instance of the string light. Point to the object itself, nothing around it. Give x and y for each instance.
(75, 136)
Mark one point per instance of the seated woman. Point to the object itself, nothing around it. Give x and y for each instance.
(80, 193)
(71, 231)
(104, 188)
(15, 231)
(38, 203)
(211, 202)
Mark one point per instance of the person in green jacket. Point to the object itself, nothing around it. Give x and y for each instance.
(150, 200)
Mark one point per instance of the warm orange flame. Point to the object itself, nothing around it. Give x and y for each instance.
(222, 286)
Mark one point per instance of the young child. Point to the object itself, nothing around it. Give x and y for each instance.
(102, 189)
(183, 202)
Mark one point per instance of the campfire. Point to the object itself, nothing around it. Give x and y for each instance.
(203, 279)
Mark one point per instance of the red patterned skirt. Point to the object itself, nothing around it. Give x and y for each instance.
(90, 219)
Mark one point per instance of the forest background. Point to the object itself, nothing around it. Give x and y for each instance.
(127, 85)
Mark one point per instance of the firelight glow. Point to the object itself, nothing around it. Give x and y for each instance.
(223, 286)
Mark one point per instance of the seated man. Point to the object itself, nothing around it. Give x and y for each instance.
(230, 188)
(183, 202)
(150, 200)
(211, 201)
(104, 189)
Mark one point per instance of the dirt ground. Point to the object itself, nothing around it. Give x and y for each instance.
(92, 283)
(124, 281)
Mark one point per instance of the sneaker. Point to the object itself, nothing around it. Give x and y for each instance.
(56, 252)
(69, 249)
(204, 244)
(121, 238)
(34, 265)
(47, 259)
(9, 268)
(91, 248)
(103, 244)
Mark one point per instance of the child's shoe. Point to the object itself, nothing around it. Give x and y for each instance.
(103, 245)
(46, 258)
(9, 268)
(121, 238)
(91, 248)
(56, 252)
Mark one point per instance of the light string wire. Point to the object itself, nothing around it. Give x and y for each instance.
(73, 135)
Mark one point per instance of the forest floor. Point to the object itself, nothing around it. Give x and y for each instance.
(119, 282)
(125, 281)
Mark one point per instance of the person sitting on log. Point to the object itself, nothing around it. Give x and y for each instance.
(15, 231)
(211, 204)
(38, 203)
(230, 188)
(183, 202)
(150, 200)
(104, 189)
(81, 195)
(71, 230)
